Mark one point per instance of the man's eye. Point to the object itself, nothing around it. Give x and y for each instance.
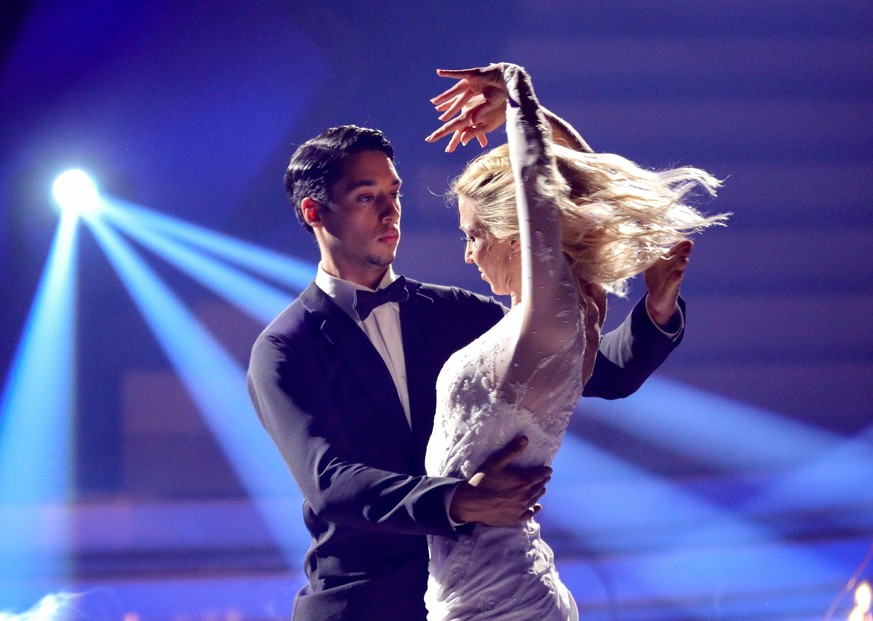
(365, 198)
(468, 239)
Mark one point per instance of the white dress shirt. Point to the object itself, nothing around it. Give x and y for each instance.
(382, 326)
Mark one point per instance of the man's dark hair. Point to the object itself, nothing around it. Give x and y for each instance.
(317, 163)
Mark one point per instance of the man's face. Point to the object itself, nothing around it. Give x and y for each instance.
(361, 226)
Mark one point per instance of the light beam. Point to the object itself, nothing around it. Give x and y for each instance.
(216, 383)
(36, 419)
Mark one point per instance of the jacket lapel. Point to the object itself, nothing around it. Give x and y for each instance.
(357, 356)
(417, 323)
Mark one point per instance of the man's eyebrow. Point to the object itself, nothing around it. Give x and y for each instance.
(368, 183)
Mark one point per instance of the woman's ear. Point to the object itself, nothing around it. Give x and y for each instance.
(310, 209)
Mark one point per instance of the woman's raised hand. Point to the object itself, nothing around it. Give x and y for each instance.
(471, 108)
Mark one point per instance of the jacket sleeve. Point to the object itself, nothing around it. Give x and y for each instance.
(630, 354)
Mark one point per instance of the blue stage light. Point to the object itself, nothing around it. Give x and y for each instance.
(255, 298)
(791, 459)
(657, 540)
(711, 429)
(75, 191)
(217, 385)
(277, 267)
(36, 419)
(863, 599)
(778, 481)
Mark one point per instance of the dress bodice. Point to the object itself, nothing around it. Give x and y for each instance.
(479, 413)
(500, 573)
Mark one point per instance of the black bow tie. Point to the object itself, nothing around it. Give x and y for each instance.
(366, 301)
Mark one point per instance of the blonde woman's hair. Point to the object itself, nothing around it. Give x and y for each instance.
(617, 218)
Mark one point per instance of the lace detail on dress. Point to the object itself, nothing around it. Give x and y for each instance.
(477, 414)
(499, 573)
(522, 377)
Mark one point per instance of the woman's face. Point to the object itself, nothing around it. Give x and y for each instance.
(498, 261)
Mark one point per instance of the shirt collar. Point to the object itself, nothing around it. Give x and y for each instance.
(342, 292)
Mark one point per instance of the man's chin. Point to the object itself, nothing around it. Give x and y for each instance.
(382, 261)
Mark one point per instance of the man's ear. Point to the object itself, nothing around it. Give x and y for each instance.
(311, 211)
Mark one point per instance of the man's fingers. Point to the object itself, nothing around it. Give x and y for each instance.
(530, 512)
(499, 460)
(681, 249)
(538, 492)
(673, 262)
(509, 452)
(678, 261)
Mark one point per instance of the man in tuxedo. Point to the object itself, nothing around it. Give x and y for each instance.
(344, 380)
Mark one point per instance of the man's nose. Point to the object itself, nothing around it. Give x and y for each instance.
(391, 210)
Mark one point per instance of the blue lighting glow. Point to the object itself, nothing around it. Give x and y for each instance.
(711, 429)
(217, 385)
(276, 266)
(842, 479)
(659, 541)
(656, 540)
(257, 299)
(740, 440)
(704, 544)
(75, 191)
(36, 419)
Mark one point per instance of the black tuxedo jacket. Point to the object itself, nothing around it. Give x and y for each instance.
(327, 400)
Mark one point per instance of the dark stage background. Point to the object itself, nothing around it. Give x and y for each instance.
(735, 485)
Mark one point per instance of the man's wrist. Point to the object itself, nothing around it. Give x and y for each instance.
(450, 497)
(670, 327)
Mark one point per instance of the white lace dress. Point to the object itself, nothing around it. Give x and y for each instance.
(497, 573)
(524, 376)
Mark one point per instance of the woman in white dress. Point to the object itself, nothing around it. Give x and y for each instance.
(554, 228)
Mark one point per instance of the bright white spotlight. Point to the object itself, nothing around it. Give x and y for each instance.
(74, 190)
(864, 596)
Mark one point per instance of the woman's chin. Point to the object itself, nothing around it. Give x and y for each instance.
(495, 290)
